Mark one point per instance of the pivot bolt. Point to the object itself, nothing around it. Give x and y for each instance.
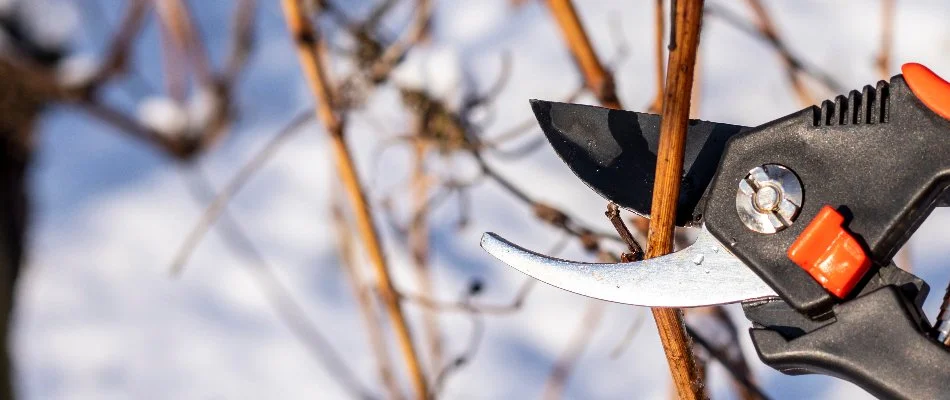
(769, 198)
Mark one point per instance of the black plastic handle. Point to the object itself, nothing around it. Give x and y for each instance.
(879, 156)
(874, 341)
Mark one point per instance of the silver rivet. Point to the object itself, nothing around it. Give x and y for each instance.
(769, 198)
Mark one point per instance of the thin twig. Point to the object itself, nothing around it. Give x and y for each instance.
(526, 125)
(364, 299)
(883, 62)
(221, 200)
(724, 360)
(547, 213)
(311, 50)
(418, 237)
(794, 65)
(598, 80)
(117, 56)
(177, 17)
(243, 39)
(737, 362)
(173, 146)
(397, 51)
(613, 214)
(631, 332)
(467, 307)
(687, 20)
(278, 296)
(767, 27)
(565, 364)
(474, 342)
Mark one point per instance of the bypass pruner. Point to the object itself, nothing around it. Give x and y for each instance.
(799, 219)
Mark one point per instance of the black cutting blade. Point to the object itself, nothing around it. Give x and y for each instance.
(614, 152)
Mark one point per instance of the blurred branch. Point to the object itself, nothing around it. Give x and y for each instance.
(547, 213)
(632, 330)
(467, 307)
(395, 53)
(578, 343)
(221, 200)
(724, 359)
(364, 299)
(242, 41)
(311, 51)
(418, 237)
(888, 9)
(794, 66)
(117, 56)
(174, 65)
(178, 147)
(525, 126)
(599, 81)
(177, 18)
(287, 308)
(450, 131)
(736, 358)
(475, 340)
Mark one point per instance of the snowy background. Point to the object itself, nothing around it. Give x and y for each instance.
(99, 317)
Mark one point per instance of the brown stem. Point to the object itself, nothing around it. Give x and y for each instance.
(596, 77)
(659, 23)
(242, 41)
(687, 21)
(887, 38)
(310, 50)
(419, 247)
(364, 299)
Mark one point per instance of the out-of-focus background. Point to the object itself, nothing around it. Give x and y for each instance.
(267, 305)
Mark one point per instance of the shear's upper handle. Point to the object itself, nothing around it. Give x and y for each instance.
(879, 156)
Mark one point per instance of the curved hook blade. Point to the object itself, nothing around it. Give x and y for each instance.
(702, 274)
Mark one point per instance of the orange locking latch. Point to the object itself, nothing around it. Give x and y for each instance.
(829, 253)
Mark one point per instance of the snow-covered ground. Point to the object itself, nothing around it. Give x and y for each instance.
(99, 317)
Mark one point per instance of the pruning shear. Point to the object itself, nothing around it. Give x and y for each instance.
(798, 219)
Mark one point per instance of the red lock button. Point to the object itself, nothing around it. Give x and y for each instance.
(830, 254)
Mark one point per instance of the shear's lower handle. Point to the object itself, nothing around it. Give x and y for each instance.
(875, 341)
